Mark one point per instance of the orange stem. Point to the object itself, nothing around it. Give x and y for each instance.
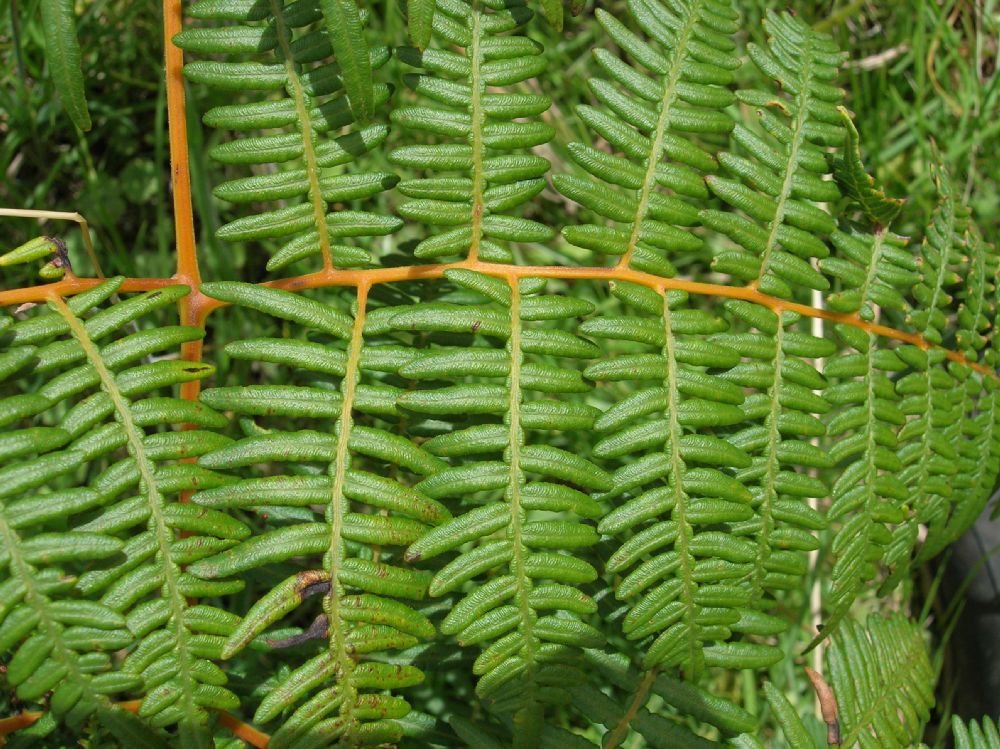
(746, 293)
(237, 727)
(188, 271)
(71, 285)
(201, 306)
(16, 723)
(187, 258)
(244, 731)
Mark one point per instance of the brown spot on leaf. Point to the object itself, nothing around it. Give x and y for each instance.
(311, 583)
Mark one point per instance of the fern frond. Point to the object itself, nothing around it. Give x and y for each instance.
(975, 734)
(98, 378)
(355, 474)
(652, 113)
(485, 132)
(882, 679)
(517, 493)
(694, 579)
(948, 445)
(274, 48)
(779, 231)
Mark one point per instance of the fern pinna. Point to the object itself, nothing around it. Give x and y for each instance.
(291, 50)
(488, 132)
(602, 481)
(101, 568)
(334, 465)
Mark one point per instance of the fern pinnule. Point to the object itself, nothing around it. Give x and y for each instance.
(276, 47)
(325, 475)
(517, 493)
(780, 229)
(652, 112)
(975, 734)
(484, 132)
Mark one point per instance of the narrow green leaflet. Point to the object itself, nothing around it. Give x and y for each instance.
(62, 53)
(343, 24)
(420, 21)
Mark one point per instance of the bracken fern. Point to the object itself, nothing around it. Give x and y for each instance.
(606, 480)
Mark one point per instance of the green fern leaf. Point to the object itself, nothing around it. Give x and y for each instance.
(654, 121)
(335, 694)
(289, 51)
(492, 129)
(780, 179)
